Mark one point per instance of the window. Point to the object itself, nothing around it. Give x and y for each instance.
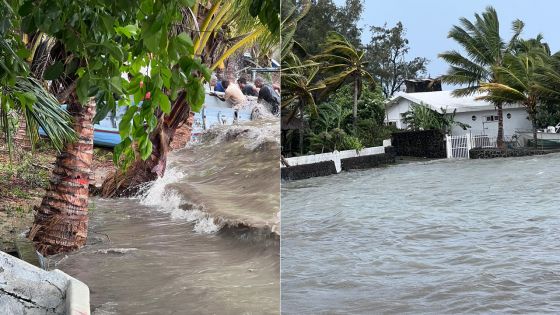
(473, 118)
(508, 115)
(492, 118)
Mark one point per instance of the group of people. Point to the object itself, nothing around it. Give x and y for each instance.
(236, 94)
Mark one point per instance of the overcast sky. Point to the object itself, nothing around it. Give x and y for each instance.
(428, 22)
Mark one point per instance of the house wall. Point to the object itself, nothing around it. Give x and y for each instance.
(394, 113)
(517, 121)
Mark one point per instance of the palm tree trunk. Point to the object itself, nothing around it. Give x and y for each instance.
(301, 130)
(355, 107)
(534, 124)
(61, 221)
(127, 182)
(500, 138)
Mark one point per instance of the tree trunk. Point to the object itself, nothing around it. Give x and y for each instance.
(128, 182)
(61, 221)
(534, 124)
(500, 138)
(301, 130)
(355, 107)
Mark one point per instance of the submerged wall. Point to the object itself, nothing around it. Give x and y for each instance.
(325, 164)
(492, 153)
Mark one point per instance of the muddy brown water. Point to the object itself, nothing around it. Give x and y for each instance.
(442, 237)
(177, 248)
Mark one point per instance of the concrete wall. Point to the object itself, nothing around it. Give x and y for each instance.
(26, 289)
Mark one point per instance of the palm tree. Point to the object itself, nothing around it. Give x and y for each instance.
(298, 87)
(484, 51)
(344, 63)
(520, 78)
(23, 98)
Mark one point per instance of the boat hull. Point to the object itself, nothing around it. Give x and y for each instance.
(545, 140)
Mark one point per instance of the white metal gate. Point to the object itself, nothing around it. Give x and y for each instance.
(458, 147)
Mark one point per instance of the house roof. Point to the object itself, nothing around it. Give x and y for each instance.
(444, 99)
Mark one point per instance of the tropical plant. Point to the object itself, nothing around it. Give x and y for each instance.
(94, 43)
(298, 87)
(24, 99)
(484, 51)
(343, 63)
(219, 29)
(422, 117)
(520, 78)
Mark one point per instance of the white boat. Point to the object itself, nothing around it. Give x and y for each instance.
(548, 138)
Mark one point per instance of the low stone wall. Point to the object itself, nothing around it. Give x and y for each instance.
(325, 164)
(308, 170)
(492, 153)
(423, 144)
(369, 161)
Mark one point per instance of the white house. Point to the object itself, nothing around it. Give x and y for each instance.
(480, 115)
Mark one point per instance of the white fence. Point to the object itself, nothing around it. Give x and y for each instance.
(458, 147)
(336, 156)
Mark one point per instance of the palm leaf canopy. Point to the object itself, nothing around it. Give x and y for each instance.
(342, 63)
(298, 84)
(483, 49)
(519, 78)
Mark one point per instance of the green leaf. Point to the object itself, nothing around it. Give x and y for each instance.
(128, 31)
(26, 8)
(164, 103)
(195, 95)
(82, 89)
(152, 41)
(54, 71)
(145, 147)
(116, 84)
(118, 149)
(188, 3)
(166, 77)
(185, 40)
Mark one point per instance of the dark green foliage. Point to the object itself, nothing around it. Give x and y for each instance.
(103, 39)
(422, 117)
(385, 54)
(323, 17)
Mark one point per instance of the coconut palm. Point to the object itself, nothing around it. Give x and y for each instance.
(520, 78)
(484, 50)
(298, 88)
(344, 63)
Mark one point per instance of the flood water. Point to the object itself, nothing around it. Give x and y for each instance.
(201, 240)
(440, 237)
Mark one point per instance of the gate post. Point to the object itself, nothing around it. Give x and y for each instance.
(448, 146)
(469, 145)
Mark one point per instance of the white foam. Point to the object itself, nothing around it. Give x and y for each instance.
(158, 196)
(206, 225)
